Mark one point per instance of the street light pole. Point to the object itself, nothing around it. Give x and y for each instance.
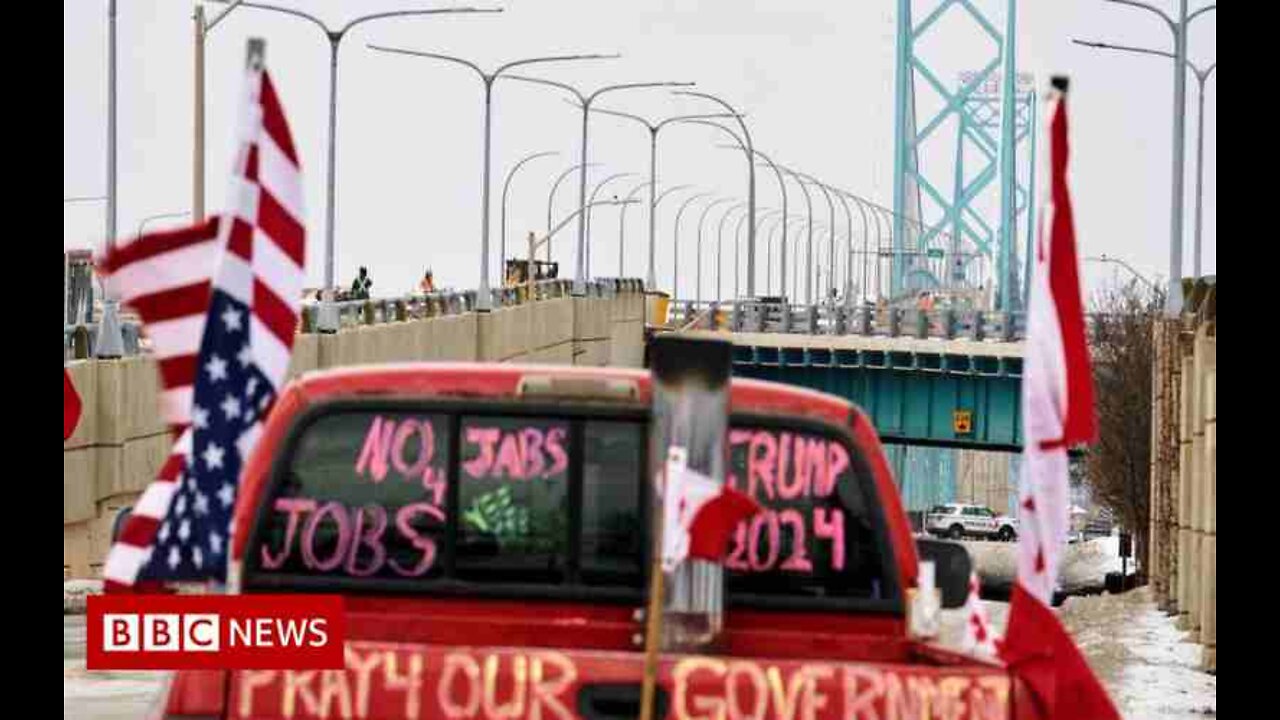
(591, 213)
(808, 202)
(751, 185)
(110, 341)
(737, 255)
(506, 185)
(552, 196)
(786, 227)
(149, 218)
(865, 236)
(697, 267)
(584, 102)
(654, 128)
(1118, 261)
(328, 318)
(782, 185)
(483, 296)
(1173, 303)
(831, 234)
(1202, 76)
(720, 247)
(675, 243)
(848, 246)
(202, 29)
(622, 224)
(768, 250)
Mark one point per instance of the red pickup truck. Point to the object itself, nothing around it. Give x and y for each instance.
(487, 527)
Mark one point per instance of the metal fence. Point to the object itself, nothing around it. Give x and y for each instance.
(79, 339)
(353, 313)
(840, 319)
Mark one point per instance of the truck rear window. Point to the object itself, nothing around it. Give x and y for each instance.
(513, 497)
(363, 496)
(815, 536)
(403, 500)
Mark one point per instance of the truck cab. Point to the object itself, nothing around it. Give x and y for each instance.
(487, 526)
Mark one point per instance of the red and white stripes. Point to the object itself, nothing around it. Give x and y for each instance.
(265, 238)
(165, 277)
(255, 254)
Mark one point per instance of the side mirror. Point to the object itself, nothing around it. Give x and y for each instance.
(953, 567)
(117, 526)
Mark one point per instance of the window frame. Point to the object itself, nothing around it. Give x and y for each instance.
(253, 579)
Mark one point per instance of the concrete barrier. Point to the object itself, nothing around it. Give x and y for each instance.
(121, 442)
(1209, 548)
(1186, 477)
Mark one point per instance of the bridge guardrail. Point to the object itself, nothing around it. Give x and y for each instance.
(78, 340)
(352, 313)
(839, 319)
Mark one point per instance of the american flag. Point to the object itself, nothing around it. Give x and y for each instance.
(220, 302)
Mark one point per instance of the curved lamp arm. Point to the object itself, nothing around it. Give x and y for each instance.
(668, 191)
(549, 83)
(290, 11)
(434, 56)
(402, 13)
(1173, 27)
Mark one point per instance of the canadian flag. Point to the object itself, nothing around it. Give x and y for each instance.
(70, 406)
(1057, 412)
(979, 637)
(698, 513)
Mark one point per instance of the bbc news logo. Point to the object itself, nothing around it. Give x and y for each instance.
(228, 632)
(155, 632)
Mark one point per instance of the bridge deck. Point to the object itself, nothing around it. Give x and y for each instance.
(872, 343)
(957, 393)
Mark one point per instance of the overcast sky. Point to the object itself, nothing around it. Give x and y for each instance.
(815, 78)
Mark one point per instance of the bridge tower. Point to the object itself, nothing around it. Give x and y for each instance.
(970, 236)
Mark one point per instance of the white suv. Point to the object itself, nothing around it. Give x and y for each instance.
(957, 520)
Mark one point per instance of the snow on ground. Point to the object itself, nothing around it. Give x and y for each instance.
(1144, 661)
(1084, 564)
(1147, 665)
(1150, 670)
(74, 593)
(97, 695)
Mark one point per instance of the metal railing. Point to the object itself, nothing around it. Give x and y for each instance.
(839, 319)
(78, 340)
(353, 313)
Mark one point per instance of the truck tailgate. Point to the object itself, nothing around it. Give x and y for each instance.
(406, 681)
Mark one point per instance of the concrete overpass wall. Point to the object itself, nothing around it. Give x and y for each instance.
(120, 443)
(985, 478)
(1182, 552)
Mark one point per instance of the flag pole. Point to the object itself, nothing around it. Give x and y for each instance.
(652, 634)
(690, 401)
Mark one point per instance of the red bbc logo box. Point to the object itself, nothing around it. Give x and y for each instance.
(215, 632)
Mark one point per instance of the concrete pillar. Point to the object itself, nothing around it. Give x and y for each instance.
(1209, 547)
(1165, 452)
(1155, 568)
(1169, 448)
(1186, 417)
(1195, 475)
